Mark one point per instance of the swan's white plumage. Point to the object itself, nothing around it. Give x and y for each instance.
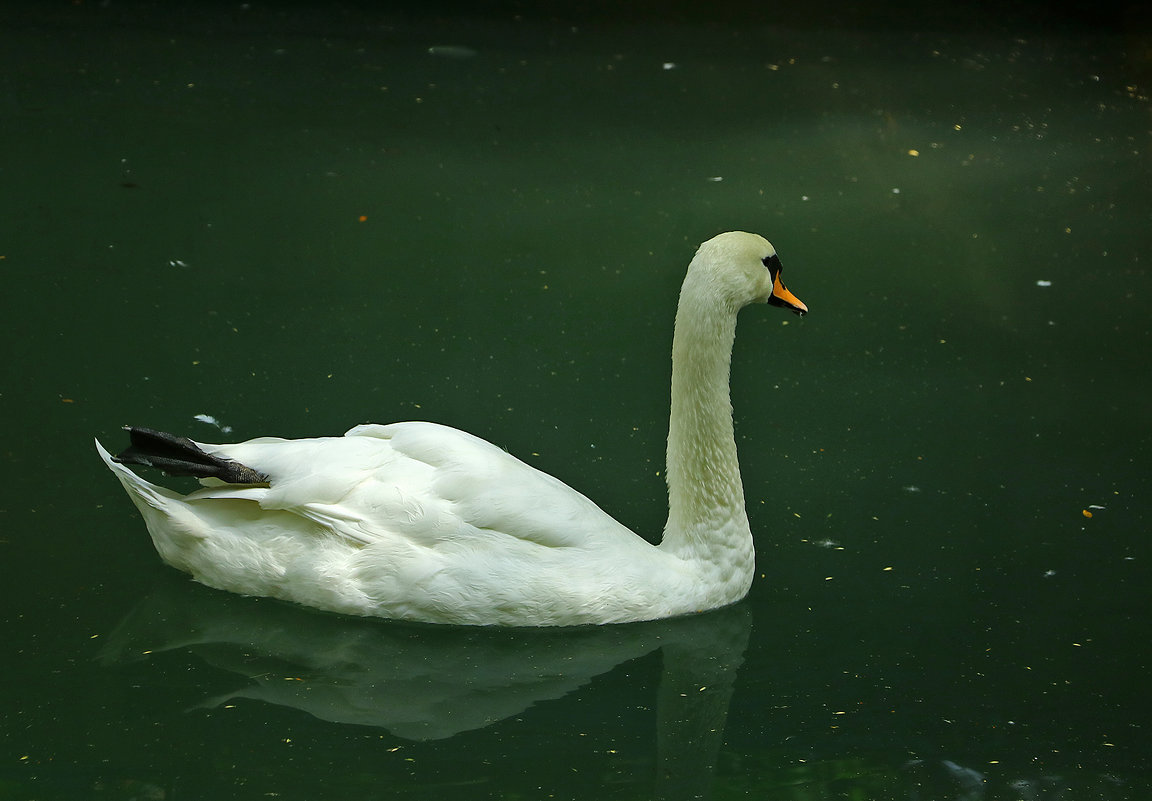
(420, 521)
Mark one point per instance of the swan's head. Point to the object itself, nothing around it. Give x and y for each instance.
(744, 268)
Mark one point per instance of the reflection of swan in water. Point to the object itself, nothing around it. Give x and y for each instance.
(426, 682)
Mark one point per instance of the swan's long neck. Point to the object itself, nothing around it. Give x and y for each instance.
(706, 516)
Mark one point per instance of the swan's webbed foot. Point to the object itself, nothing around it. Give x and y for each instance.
(180, 456)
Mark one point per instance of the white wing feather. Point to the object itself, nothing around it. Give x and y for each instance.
(425, 482)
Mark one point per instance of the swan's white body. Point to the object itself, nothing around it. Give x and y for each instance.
(419, 521)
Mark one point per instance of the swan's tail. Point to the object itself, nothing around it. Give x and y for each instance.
(180, 456)
(174, 525)
(148, 497)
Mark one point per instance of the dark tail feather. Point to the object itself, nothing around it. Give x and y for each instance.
(180, 456)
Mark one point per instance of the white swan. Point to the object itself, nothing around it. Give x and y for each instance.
(418, 521)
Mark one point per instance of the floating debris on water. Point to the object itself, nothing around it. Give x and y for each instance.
(212, 421)
(451, 51)
(825, 543)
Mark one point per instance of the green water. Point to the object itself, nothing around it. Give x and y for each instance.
(295, 220)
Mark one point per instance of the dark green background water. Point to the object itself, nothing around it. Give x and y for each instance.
(181, 194)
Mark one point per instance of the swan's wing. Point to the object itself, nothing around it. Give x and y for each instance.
(426, 483)
(493, 491)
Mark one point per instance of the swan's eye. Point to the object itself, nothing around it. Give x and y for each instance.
(773, 264)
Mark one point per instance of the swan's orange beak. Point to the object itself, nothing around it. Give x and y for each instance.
(785, 299)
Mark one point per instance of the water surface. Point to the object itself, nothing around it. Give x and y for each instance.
(294, 220)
